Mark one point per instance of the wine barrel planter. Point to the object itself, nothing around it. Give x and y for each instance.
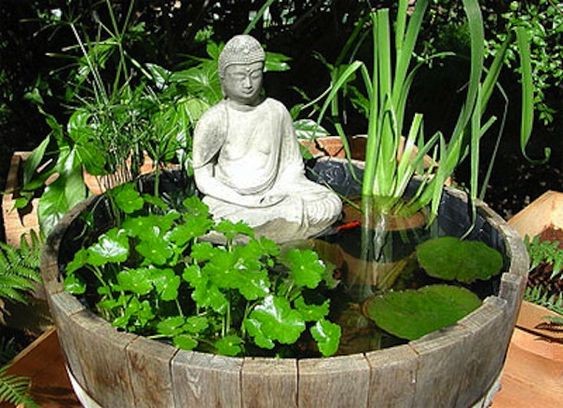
(458, 366)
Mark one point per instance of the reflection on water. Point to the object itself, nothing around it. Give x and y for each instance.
(372, 253)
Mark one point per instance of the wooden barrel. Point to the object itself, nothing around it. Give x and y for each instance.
(458, 366)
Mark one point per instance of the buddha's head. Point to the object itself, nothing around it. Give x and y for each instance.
(241, 64)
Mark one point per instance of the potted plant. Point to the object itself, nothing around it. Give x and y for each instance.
(540, 226)
(122, 369)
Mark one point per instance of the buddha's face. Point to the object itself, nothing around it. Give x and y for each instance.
(242, 83)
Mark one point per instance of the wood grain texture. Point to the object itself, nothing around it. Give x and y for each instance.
(269, 383)
(485, 352)
(149, 368)
(441, 354)
(206, 380)
(334, 382)
(63, 306)
(512, 291)
(100, 351)
(392, 377)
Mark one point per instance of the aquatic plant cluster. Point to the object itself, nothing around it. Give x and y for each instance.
(154, 274)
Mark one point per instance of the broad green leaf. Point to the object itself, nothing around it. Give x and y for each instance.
(155, 250)
(135, 280)
(194, 276)
(156, 201)
(305, 267)
(278, 320)
(159, 74)
(196, 324)
(203, 251)
(411, 314)
(32, 162)
(327, 336)
(450, 258)
(113, 246)
(184, 342)
(127, 198)
(166, 283)
(276, 62)
(231, 229)
(171, 326)
(313, 312)
(74, 284)
(64, 193)
(80, 259)
(193, 227)
(254, 329)
(229, 345)
(209, 295)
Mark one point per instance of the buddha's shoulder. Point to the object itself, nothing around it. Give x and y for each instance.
(275, 105)
(214, 114)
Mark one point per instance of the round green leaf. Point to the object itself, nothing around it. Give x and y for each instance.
(113, 246)
(135, 280)
(411, 314)
(74, 284)
(305, 266)
(278, 320)
(327, 336)
(166, 283)
(184, 342)
(450, 258)
(229, 345)
(128, 198)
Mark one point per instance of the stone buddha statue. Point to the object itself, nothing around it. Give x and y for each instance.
(246, 157)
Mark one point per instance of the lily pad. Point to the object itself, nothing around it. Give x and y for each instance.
(450, 258)
(411, 314)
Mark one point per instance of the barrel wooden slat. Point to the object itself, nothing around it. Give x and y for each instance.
(334, 382)
(511, 289)
(269, 383)
(206, 380)
(149, 367)
(101, 352)
(438, 353)
(484, 353)
(392, 377)
(63, 306)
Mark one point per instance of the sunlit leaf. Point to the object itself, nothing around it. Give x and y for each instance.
(305, 267)
(113, 246)
(327, 336)
(277, 320)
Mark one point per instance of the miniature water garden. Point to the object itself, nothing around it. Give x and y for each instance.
(245, 254)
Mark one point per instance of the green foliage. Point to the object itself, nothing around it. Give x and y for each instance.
(541, 296)
(19, 272)
(545, 252)
(19, 269)
(445, 30)
(411, 314)
(13, 389)
(544, 291)
(155, 275)
(543, 21)
(450, 258)
(382, 93)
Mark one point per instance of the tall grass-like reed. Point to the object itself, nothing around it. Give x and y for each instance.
(391, 164)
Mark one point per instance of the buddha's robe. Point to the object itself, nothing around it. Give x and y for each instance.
(254, 151)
